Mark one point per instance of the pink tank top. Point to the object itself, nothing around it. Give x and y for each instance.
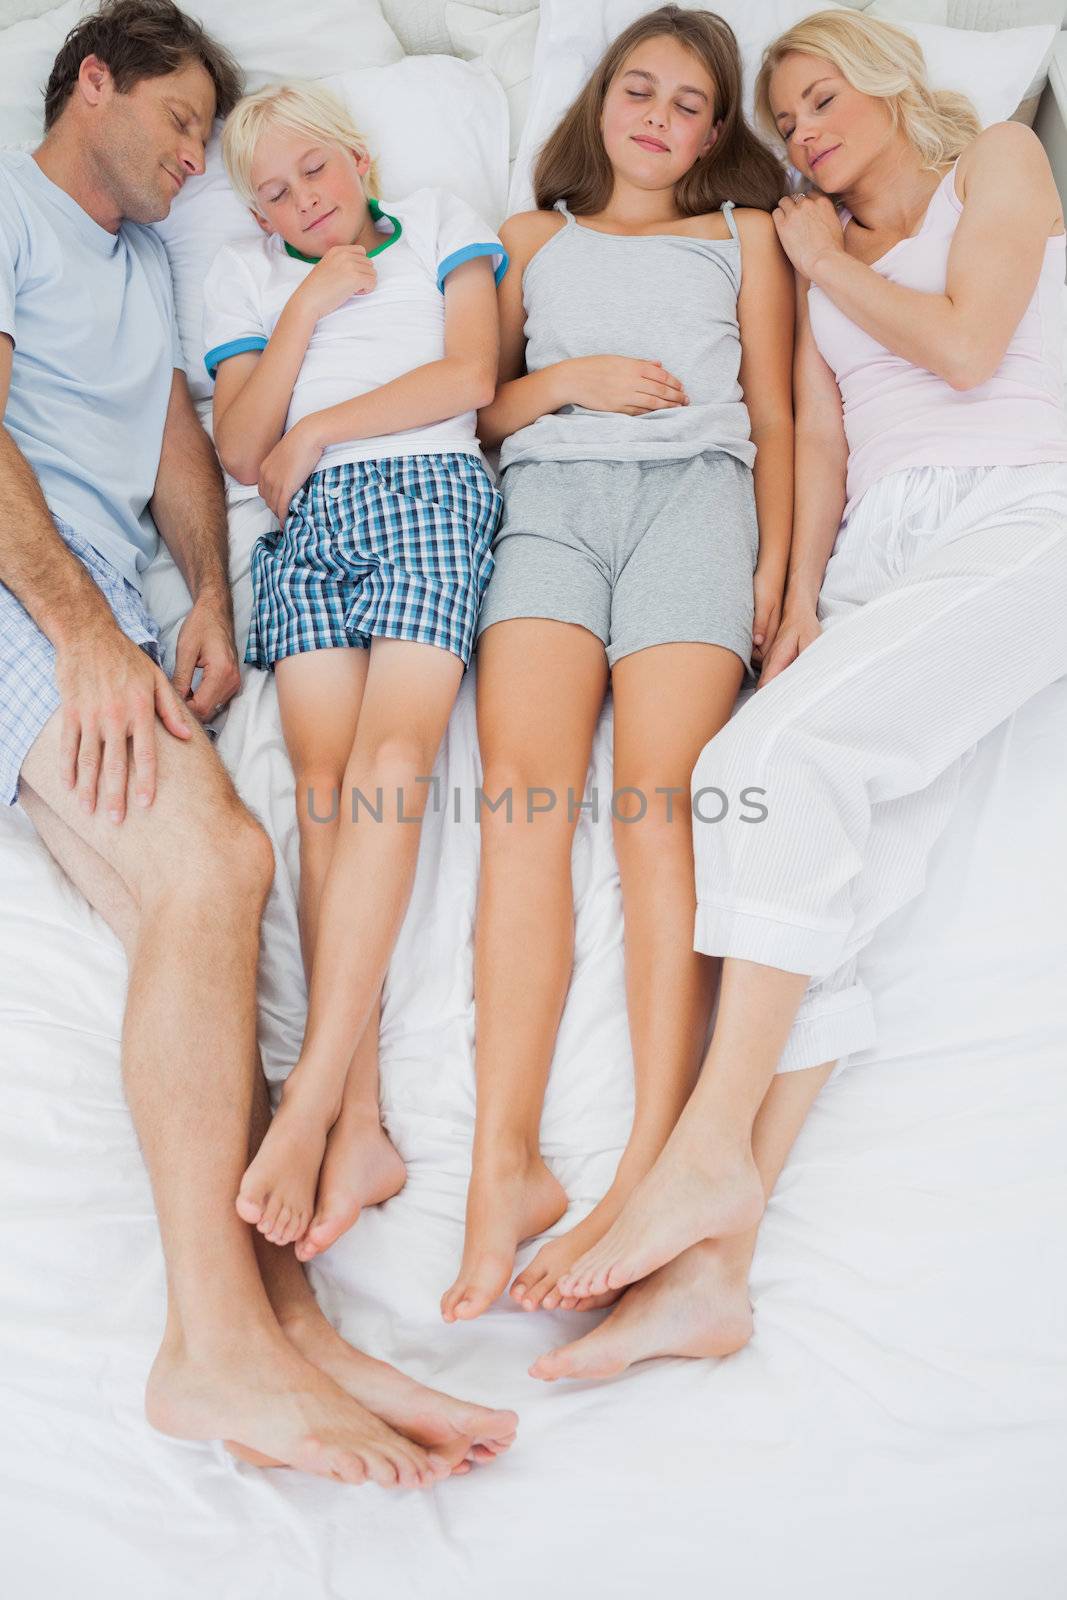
(899, 415)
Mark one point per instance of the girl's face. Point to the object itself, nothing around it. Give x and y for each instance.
(308, 191)
(832, 131)
(658, 116)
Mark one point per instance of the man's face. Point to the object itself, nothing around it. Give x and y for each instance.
(145, 143)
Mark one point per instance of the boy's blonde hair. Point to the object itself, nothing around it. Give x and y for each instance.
(885, 61)
(305, 108)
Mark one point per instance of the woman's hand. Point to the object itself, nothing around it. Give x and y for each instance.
(343, 271)
(809, 228)
(289, 465)
(799, 628)
(622, 383)
(767, 590)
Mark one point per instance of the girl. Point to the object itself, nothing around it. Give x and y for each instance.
(351, 347)
(934, 299)
(646, 339)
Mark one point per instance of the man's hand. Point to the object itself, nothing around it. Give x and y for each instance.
(290, 464)
(111, 693)
(206, 641)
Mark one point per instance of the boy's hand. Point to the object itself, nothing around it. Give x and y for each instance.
(290, 464)
(343, 272)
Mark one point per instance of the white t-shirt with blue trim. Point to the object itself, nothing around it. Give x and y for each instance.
(371, 339)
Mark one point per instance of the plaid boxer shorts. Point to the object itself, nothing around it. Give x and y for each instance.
(397, 548)
(28, 693)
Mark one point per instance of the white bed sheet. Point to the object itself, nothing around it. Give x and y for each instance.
(898, 1423)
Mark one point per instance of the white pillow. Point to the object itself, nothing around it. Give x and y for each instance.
(995, 69)
(505, 44)
(430, 120)
(269, 41)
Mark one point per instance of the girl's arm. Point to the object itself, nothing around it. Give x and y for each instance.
(1010, 206)
(600, 383)
(821, 462)
(765, 312)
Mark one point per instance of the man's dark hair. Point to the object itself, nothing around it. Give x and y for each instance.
(140, 39)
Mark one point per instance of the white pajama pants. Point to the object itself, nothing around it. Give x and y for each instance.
(944, 609)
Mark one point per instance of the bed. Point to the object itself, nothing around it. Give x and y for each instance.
(897, 1424)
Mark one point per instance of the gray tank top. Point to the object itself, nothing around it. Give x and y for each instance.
(663, 297)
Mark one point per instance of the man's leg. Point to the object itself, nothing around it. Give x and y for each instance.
(425, 1415)
(197, 868)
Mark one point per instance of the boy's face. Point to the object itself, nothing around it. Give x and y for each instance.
(309, 191)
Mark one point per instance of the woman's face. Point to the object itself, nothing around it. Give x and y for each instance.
(658, 116)
(832, 132)
(308, 190)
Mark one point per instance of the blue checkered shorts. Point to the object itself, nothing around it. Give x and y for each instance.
(28, 693)
(398, 548)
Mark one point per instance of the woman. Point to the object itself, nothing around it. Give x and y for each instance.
(934, 298)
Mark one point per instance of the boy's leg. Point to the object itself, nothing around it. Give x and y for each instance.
(698, 1304)
(668, 701)
(541, 687)
(320, 694)
(197, 868)
(409, 695)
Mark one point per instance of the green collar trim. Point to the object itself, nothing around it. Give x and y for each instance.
(376, 212)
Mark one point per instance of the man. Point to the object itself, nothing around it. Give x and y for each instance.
(99, 448)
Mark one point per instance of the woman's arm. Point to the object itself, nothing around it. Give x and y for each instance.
(1010, 206)
(765, 311)
(461, 381)
(821, 462)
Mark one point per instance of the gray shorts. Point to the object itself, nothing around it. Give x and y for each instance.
(639, 552)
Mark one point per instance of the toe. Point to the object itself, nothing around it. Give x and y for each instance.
(248, 1209)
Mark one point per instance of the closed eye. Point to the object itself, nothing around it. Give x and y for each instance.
(311, 171)
(638, 94)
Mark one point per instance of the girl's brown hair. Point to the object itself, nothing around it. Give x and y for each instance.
(574, 166)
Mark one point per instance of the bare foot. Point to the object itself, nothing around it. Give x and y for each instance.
(695, 1191)
(361, 1168)
(432, 1419)
(537, 1286)
(277, 1193)
(272, 1405)
(697, 1305)
(506, 1203)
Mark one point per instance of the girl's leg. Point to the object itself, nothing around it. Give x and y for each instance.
(697, 1305)
(409, 694)
(541, 686)
(669, 700)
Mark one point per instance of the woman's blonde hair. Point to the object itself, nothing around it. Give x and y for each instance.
(885, 61)
(305, 108)
(574, 166)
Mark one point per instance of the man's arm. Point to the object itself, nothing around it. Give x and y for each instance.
(189, 508)
(109, 688)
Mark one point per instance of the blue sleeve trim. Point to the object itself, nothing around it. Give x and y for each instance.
(234, 347)
(469, 253)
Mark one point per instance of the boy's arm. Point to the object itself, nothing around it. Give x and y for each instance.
(463, 380)
(189, 508)
(253, 392)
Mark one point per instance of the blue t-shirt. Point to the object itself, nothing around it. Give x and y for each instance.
(91, 314)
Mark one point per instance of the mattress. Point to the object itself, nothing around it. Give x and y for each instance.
(897, 1424)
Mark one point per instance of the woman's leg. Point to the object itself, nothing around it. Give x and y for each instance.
(698, 1304)
(856, 751)
(541, 686)
(320, 694)
(409, 694)
(669, 700)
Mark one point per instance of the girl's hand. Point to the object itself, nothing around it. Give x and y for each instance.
(621, 383)
(798, 629)
(767, 588)
(289, 465)
(809, 228)
(343, 271)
